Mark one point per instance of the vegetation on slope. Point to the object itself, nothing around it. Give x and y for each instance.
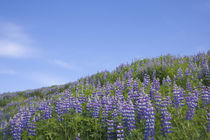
(161, 98)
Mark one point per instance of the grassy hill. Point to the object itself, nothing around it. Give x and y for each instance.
(161, 98)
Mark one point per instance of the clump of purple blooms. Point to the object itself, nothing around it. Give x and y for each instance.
(123, 102)
(165, 118)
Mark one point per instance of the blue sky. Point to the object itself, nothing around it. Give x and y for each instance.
(43, 43)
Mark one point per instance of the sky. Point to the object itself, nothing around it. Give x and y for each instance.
(51, 42)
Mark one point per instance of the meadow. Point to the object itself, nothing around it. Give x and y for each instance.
(163, 98)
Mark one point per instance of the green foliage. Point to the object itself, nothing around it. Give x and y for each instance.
(90, 128)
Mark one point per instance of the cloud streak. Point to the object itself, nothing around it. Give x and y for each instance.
(13, 49)
(14, 42)
(63, 64)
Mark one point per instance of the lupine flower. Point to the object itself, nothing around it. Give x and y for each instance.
(152, 93)
(130, 93)
(58, 109)
(187, 72)
(157, 101)
(131, 122)
(146, 80)
(16, 126)
(130, 73)
(205, 96)
(120, 132)
(129, 83)
(4, 129)
(135, 86)
(156, 84)
(165, 118)
(95, 110)
(104, 113)
(191, 102)
(78, 107)
(181, 97)
(176, 96)
(32, 127)
(142, 105)
(124, 114)
(108, 88)
(82, 98)
(179, 73)
(47, 110)
(26, 118)
(188, 86)
(110, 129)
(167, 81)
(149, 122)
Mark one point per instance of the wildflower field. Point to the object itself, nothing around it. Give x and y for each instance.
(163, 98)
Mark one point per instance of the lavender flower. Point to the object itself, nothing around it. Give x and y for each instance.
(157, 101)
(142, 105)
(16, 126)
(205, 96)
(152, 93)
(95, 110)
(165, 118)
(191, 102)
(131, 117)
(32, 127)
(120, 132)
(187, 72)
(149, 122)
(188, 87)
(176, 96)
(4, 129)
(179, 73)
(110, 129)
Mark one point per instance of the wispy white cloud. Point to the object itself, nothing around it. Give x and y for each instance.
(14, 42)
(13, 49)
(63, 64)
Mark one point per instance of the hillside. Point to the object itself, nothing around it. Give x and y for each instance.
(161, 98)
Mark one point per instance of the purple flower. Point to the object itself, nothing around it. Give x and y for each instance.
(176, 96)
(16, 124)
(205, 95)
(110, 129)
(152, 93)
(149, 122)
(165, 118)
(142, 105)
(130, 115)
(32, 127)
(188, 86)
(120, 132)
(157, 101)
(179, 73)
(95, 112)
(156, 84)
(146, 80)
(192, 103)
(4, 129)
(135, 86)
(187, 72)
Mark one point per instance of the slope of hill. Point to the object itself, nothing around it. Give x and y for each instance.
(160, 98)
